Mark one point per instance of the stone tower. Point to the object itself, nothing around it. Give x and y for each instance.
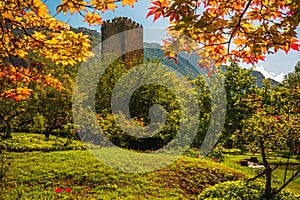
(123, 42)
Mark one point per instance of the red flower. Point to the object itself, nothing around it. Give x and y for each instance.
(68, 189)
(277, 117)
(58, 190)
(197, 155)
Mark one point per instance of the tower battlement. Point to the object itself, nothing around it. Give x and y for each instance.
(121, 21)
(121, 41)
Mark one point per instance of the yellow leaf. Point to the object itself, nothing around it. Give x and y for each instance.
(129, 2)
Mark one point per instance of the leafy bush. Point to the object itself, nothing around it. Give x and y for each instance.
(241, 190)
(36, 142)
(120, 137)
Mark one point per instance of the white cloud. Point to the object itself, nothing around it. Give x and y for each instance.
(272, 75)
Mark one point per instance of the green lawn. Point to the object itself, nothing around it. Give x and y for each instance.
(37, 168)
(233, 161)
(41, 173)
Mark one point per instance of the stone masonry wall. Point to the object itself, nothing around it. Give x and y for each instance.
(123, 42)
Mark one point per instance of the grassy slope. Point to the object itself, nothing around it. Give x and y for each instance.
(40, 173)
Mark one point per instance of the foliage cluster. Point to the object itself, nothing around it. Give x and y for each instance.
(212, 27)
(273, 125)
(241, 190)
(141, 101)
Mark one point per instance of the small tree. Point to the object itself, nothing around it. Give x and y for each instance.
(15, 104)
(51, 108)
(13, 114)
(274, 124)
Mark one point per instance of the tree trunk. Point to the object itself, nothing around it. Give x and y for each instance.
(47, 134)
(8, 131)
(287, 167)
(268, 187)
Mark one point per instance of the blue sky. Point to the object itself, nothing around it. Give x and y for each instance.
(274, 66)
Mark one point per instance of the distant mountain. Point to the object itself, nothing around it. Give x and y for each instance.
(260, 77)
(184, 67)
(190, 68)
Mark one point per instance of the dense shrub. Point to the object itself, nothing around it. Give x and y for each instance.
(241, 190)
(36, 142)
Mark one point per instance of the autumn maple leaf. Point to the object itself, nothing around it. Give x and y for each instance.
(158, 9)
(112, 6)
(294, 44)
(129, 2)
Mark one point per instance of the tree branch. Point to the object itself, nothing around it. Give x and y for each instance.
(292, 178)
(238, 25)
(261, 174)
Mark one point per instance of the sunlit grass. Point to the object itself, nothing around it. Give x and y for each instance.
(233, 161)
(41, 173)
(38, 173)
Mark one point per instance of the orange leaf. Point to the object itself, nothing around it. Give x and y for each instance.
(156, 3)
(26, 91)
(286, 49)
(163, 3)
(294, 44)
(151, 12)
(295, 47)
(111, 6)
(261, 58)
(239, 42)
(156, 16)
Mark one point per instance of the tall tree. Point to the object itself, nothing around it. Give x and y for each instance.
(239, 84)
